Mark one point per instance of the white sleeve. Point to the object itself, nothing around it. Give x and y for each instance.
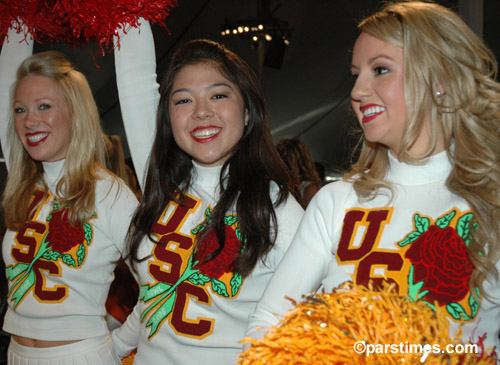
(288, 215)
(15, 49)
(126, 337)
(301, 270)
(138, 91)
(120, 207)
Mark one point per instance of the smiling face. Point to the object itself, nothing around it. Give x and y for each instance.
(42, 118)
(378, 94)
(207, 114)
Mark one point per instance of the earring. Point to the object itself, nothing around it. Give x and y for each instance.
(438, 94)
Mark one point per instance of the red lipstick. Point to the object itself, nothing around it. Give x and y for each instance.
(377, 110)
(205, 134)
(39, 138)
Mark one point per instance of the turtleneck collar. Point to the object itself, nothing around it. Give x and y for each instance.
(436, 168)
(53, 171)
(206, 176)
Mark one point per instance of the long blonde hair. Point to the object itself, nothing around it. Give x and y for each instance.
(86, 152)
(440, 50)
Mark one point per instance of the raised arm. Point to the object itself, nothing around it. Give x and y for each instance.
(138, 90)
(15, 48)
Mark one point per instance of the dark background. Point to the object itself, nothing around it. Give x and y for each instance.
(306, 84)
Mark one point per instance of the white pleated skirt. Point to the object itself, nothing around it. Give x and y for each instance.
(93, 351)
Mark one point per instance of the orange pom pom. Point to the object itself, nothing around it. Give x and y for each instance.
(325, 328)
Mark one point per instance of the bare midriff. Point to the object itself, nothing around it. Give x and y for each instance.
(30, 342)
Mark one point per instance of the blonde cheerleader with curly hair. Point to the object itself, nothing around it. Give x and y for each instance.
(421, 207)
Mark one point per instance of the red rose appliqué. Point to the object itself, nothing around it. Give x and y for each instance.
(62, 236)
(439, 257)
(223, 263)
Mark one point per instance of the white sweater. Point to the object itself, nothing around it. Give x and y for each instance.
(342, 238)
(58, 289)
(190, 314)
(195, 313)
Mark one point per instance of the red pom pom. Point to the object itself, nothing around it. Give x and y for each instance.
(98, 20)
(5, 20)
(76, 22)
(43, 19)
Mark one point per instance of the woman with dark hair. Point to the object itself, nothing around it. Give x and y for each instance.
(216, 214)
(297, 157)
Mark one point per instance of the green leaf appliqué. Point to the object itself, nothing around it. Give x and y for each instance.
(463, 227)
(457, 311)
(444, 221)
(236, 282)
(219, 287)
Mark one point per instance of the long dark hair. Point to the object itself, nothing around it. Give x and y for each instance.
(253, 164)
(298, 159)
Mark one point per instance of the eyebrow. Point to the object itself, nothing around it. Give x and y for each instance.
(213, 86)
(373, 59)
(44, 99)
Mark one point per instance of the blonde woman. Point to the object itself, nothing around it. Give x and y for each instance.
(421, 207)
(66, 215)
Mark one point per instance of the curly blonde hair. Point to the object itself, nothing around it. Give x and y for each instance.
(440, 50)
(86, 152)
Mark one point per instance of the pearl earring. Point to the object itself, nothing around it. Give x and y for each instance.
(438, 93)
